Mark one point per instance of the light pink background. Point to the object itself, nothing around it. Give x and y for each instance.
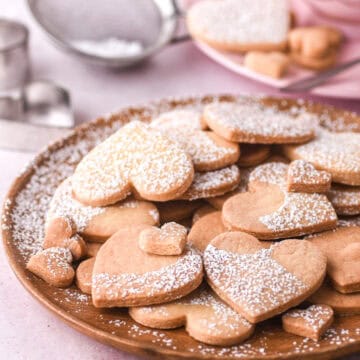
(27, 330)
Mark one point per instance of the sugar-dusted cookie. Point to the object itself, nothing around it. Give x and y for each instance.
(349, 221)
(260, 283)
(177, 210)
(314, 42)
(178, 119)
(337, 153)
(253, 154)
(226, 25)
(342, 249)
(135, 157)
(53, 265)
(252, 123)
(268, 211)
(83, 275)
(92, 249)
(202, 211)
(303, 177)
(124, 275)
(213, 183)
(206, 229)
(218, 201)
(170, 239)
(206, 318)
(342, 304)
(94, 223)
(207, 150)
(345, 199)
(274, 64)
(311, 322)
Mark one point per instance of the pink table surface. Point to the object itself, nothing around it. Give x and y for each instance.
(27, 330)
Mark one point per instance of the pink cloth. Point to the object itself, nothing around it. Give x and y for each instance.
(27, 330)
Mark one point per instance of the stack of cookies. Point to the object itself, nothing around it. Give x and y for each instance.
(215, 220)
(265, 31)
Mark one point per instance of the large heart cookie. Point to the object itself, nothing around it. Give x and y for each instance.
(260, 283)
(268, 211)
(124, 275)
(97, 223)
(135, 158)
(205, 316)
(207, 150)
(337, 153)
(250, 122)
(240, 25)
(342, 249)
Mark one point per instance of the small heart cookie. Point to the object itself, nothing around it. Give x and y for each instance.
(53, 265)
(268, 211)
(342, 304)
(274, 64)
(176, 119)
(83, 275)
(260, 283)
(310, 323)
(206, 229)
(236, 26)
(342, 249)
(95, 223)
(207, 150)
(124, 275)
(205, 317)
(170, 239)
(135, 158)
(345, 199)
(253, 154)
(213, 183)
(337, 153)
(303, 177)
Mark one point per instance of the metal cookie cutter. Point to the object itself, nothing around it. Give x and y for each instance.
(39, 113)
(113, 33)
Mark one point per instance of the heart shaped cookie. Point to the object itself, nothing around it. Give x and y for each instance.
(53, 265)
(268, 211)
(207, 150)
(170, 239)
(135, 157)
(213, 183)
(310, 323)
(95, 223)
(342, 249)
(260, 283)
(205, 316)
(124, 275)
(335, 152)
(240, 26)
(250, 122)
(303, 177)
(345, 199)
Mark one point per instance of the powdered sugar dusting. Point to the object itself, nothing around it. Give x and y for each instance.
(345, 199)
(305, 173)
(255, 282)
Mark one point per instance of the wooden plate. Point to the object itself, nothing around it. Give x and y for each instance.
(22, 229)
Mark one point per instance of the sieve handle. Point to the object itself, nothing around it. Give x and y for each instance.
(180, 14)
